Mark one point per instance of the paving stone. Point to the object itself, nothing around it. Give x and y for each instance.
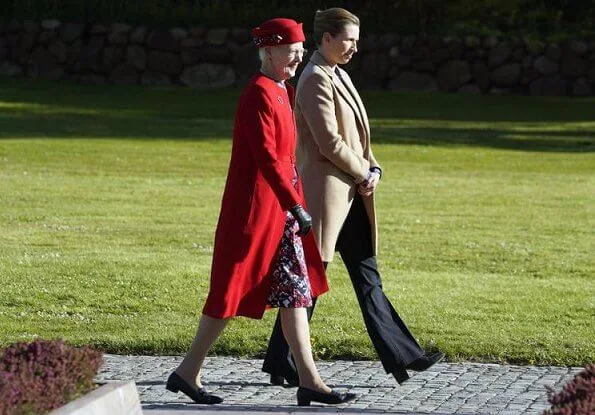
(447, 388)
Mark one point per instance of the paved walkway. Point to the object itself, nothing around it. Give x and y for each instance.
(446, 388)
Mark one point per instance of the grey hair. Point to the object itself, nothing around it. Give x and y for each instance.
(261, 54)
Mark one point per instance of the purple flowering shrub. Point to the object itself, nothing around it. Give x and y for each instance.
(43, 375)
(577, 397)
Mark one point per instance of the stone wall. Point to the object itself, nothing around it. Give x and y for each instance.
(122, 54)
(197, 57)
(477, 65)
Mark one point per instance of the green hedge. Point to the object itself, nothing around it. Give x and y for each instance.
(534, 17)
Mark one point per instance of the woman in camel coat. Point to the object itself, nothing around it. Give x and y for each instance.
(340, 175)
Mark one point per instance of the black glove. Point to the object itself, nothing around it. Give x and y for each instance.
(303, 219)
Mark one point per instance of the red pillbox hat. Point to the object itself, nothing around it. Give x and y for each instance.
(279, 31)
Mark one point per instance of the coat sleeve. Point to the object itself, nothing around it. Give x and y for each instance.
(258, 129)
(373, 162)
(315, 99)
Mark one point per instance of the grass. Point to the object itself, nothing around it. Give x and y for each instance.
(109, 199)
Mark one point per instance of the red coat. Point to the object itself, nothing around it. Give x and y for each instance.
(258, 193)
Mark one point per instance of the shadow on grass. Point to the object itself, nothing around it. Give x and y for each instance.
(478, 108)
(65, 110)
(536, 140)
(24, 125)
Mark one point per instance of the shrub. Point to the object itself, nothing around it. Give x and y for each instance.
(43, 375)
(431, 17)
(577, 397)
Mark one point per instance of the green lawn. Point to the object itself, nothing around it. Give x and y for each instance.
(109, 198)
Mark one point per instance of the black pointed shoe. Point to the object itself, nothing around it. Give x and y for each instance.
(199, 395)
(400, 375)
(305, 396)
(279, 380)
(424, 362)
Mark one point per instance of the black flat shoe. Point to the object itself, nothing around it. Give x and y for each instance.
(305, 396)
(279, 380)
(199, 395)
(425, 361)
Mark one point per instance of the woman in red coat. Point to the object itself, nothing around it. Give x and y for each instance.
(264, 255)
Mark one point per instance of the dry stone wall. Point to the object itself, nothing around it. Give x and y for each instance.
(213, 58)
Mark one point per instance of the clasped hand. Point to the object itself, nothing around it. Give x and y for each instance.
(367, 187)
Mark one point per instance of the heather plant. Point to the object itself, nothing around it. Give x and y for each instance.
(577, 397)
(42, 375)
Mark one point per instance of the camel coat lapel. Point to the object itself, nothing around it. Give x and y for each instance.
(361, 110)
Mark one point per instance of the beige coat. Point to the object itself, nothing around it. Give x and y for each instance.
(333, 153)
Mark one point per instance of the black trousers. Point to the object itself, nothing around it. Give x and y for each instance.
(394, 343)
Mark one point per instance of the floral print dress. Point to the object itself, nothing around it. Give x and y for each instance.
(290, 282)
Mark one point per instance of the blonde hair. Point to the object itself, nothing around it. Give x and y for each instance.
(333, 21)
